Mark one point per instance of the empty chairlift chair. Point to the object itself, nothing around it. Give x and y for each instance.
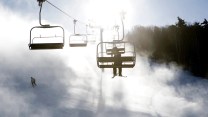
(105, 57)
(91, 36)
(46, 37)
(77, 40)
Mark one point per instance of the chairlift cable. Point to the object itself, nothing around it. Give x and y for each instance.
(65, 13)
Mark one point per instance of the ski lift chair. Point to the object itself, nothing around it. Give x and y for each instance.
(78, 40)
(46, 42)
(105, 57)
(51, 44)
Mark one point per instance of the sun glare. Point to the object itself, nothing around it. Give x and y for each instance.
(106, 13)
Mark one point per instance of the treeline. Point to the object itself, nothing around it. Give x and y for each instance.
(182, 43)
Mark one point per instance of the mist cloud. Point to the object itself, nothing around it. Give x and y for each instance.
(70, 84)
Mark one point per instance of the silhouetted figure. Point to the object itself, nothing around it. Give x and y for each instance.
(117, 62)
(33, 82)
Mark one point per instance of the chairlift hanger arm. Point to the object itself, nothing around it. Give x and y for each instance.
(122, 21)
(122, 28)
(74, 21)
(41, 4)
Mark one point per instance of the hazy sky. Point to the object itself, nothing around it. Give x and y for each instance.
(69, 83)
(138, 12)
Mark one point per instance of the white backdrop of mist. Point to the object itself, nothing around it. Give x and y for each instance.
(70, 84)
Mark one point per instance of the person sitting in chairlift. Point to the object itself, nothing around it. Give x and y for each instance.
(117, 62)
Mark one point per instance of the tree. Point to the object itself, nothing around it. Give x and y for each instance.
(181, 23)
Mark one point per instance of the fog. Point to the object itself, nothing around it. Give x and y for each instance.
(70, 84)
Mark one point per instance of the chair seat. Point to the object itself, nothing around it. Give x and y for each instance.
(37, 46)
(112, 59)
(112, 66)
(108, 62)
(78, 45)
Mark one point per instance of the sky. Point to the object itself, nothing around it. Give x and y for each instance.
(69, 83)
(138, 12)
